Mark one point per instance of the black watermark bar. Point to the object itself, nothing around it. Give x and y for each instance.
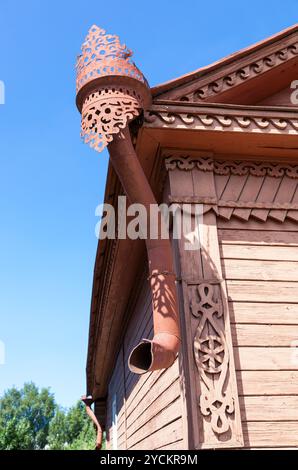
(138, 459)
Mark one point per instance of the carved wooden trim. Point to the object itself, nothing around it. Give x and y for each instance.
(260, 189)
(188, 163)
(241, 204)
(208, 83)
(213, 396)
(212, 356)
(248, 71)
(221, 118)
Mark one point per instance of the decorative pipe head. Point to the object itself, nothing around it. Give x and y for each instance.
(111, 90)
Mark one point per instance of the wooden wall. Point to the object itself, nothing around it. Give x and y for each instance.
(246, 271)
(260, 265)
(149, 406)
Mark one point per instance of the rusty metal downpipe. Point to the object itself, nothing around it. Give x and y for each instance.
(159, 353)
(111, 92)
(88, 402)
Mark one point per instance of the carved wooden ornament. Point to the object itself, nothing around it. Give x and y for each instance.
(212, 356)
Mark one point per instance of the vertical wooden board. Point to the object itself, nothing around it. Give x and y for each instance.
(181, 183)
(220, 184)
(285, 193)
(249, 193)
(293, 214)
(266, 194)
(212, 270)
(232, 192)
(203, 183)
(208, 269)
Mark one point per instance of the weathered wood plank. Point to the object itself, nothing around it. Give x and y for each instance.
(260, 270)
(256, 252)
(156, 406)
(149, 395)
(143, 385)
(270, 434)
(264, 335)
(248, 358)
(258, 237)
(162, 436)
(262, 291)
(268, 408)
(178, 445)
(262, 313)
(262, 382)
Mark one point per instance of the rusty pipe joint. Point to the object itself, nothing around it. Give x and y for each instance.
(111, 92)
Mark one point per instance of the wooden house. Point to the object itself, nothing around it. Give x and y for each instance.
(224, 137)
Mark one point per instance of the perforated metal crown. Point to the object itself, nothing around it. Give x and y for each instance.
(111, 90)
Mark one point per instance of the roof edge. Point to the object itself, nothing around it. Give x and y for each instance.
(174, 83)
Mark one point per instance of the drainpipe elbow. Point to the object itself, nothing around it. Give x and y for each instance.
(155, 354)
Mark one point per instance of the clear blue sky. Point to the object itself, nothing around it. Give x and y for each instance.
(51, 183)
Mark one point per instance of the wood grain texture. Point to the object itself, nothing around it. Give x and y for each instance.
(244, 236)
(276, 358)
(264, 313)
(256, 252)
(257, 270)
(269, 408)
(264, 335)
(161, 437)
(262, 291)
(270, 434)
(267, 382)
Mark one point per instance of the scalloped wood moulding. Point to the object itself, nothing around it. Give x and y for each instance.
(222, 118)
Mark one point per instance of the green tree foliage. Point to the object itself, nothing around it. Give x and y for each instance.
(71, 430)
(25, 417)
(31, 419)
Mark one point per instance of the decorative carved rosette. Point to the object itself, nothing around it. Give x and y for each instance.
(212, 356)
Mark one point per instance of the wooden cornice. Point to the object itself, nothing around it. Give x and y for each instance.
(222, 118)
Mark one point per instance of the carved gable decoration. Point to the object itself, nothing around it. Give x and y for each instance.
(271, 65)
(242, 189)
